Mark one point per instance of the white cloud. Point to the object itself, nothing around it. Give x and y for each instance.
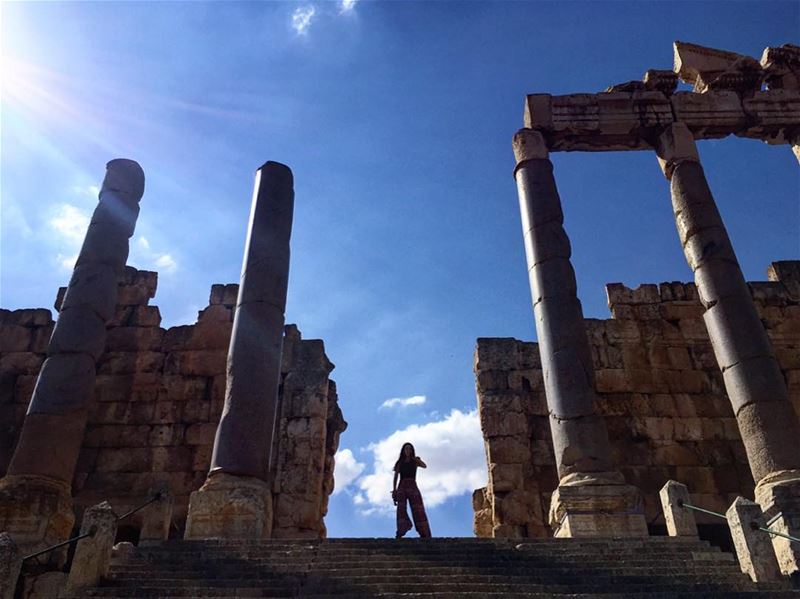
(402, 402)
(89, 191)
(451, 447)
(67, 262)
(71, 223)
(166, 262)
(301, 18)
(346, 469)
(144, 256)
(347, 5)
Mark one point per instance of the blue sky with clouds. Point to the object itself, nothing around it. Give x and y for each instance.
(396, 118)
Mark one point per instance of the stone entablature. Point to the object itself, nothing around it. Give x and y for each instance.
(728, 99)
(660, 392)
(158, 397)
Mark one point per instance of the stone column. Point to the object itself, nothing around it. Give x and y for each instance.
(35, 503)
(592, 499)
(235, 501)
(755, 385)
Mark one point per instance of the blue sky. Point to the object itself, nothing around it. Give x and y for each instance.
(396, 118)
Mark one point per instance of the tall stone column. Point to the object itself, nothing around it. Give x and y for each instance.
(592, 498)
(35, 502)
(755, 385)
(236, 501)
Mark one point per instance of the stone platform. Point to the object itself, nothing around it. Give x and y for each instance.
(441, 568)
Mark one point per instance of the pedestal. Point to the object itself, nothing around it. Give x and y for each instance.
(779, 495)
(230, 507)
(597, 508)
(37, 513)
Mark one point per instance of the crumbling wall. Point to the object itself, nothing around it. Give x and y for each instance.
(307, 437)
(157, 401)
(660, 392)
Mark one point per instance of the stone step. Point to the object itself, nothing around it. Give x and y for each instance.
(443, 580)
(650, 592)
(383, 565)
(230, 571)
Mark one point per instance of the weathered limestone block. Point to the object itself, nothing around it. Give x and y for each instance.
(680, 520)
(46, 456)
(781, 67)
(753, 547)
(93, 554)
(230, 507)
(157, 518)
(482, 510)
(779, 497)
(712, 69)
(10, 566)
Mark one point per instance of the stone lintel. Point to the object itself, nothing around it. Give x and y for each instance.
(620, 121)
(230, 507)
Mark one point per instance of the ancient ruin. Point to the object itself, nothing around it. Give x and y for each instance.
(135, 408)
(218, 438)
(654, 362)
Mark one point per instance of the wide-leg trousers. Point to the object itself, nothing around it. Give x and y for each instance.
(408, 492)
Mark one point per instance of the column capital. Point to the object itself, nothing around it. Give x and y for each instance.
(674, 145)
(529, 144)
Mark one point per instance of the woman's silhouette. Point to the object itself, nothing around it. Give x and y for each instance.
(406, 469)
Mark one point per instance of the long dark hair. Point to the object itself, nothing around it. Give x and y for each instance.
(402, 457)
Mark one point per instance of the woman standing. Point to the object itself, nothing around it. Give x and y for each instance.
(406, 469)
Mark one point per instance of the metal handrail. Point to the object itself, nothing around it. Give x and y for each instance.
(91, 533)
(755, 526)
(157, 497)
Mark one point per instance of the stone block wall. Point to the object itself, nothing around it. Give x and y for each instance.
(660, 392)
(157, 401)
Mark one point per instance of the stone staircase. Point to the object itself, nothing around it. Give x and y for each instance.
(440, 568)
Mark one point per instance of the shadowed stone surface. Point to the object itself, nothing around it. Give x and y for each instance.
(240, 504)
(753, 547)
(93, 554)
(46, 455)
(591, 500)
(10, 565)
(680, 520)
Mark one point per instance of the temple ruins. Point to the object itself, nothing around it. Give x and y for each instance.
(686, 399)
(221, 435)
(105, 405)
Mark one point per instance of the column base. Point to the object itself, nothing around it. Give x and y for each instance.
(230, 507)
(597, 506)
(778, 494)
(37, 512)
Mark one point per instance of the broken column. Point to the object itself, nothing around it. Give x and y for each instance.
(754, 383)
(35, 502)
(592, 498)
(235, 501)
